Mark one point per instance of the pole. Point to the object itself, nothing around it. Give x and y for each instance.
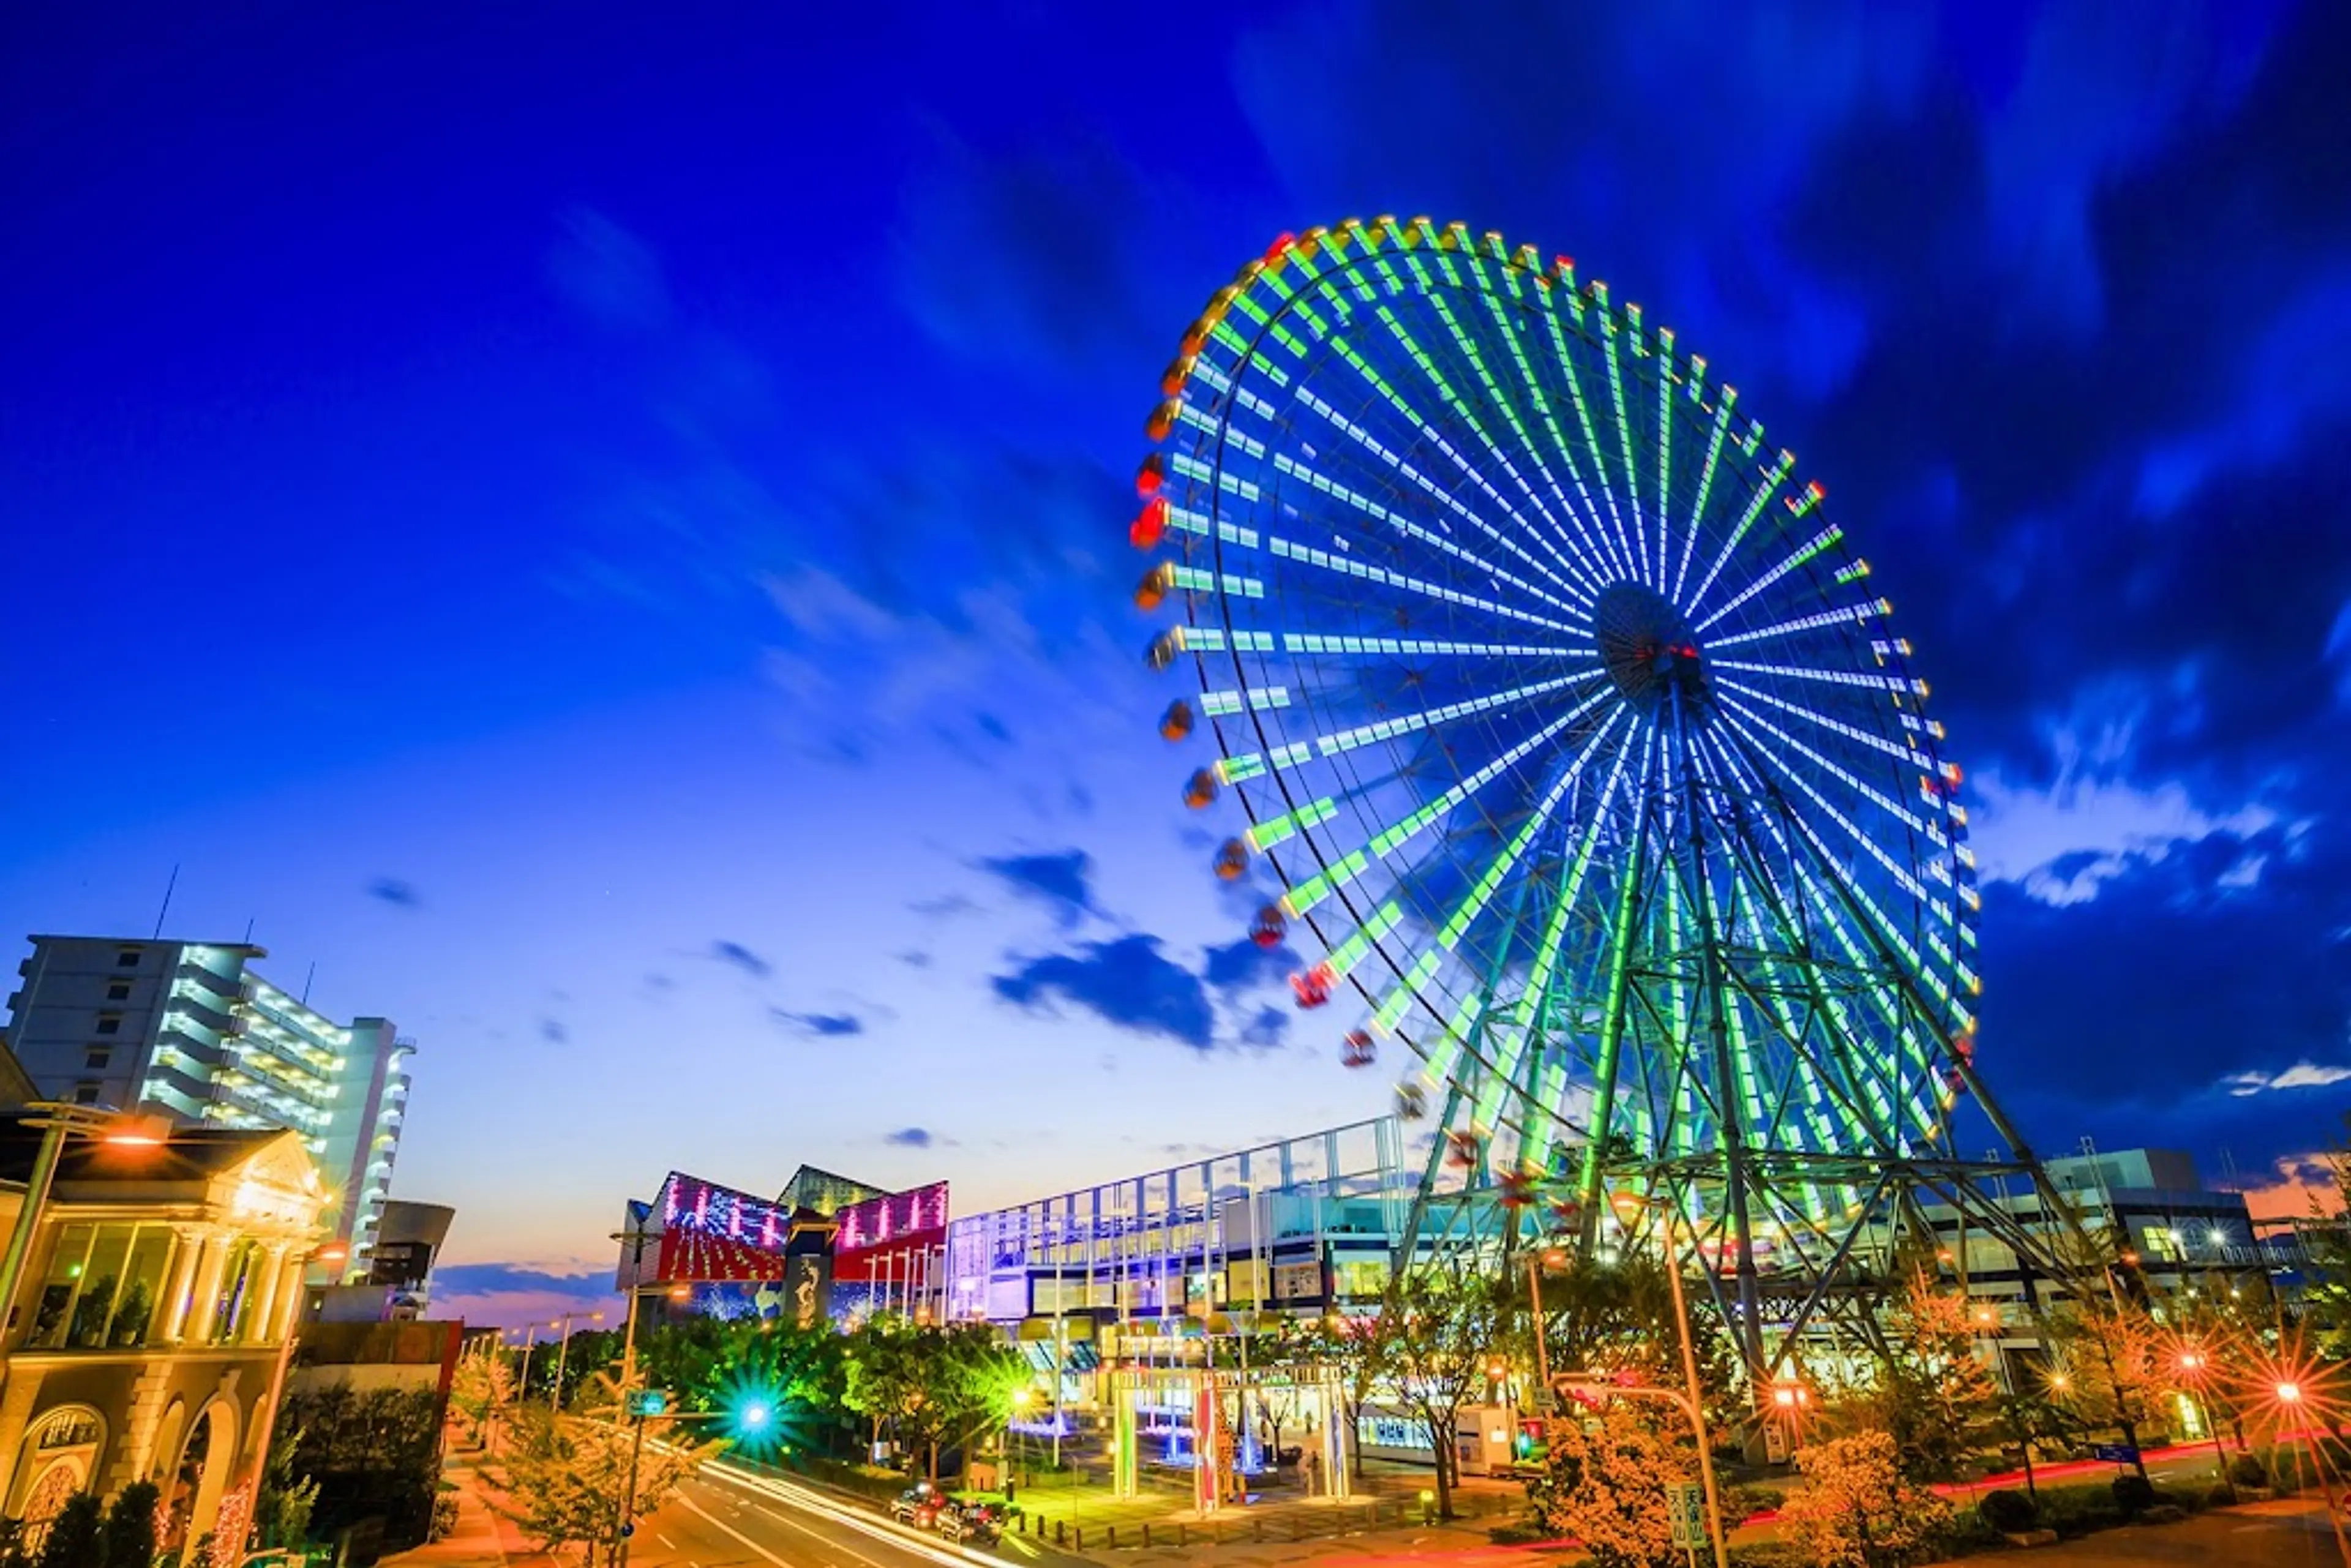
(563, 1354)
(28, 1220)
(1542, 1329)
(1697, 1396)
(529, 1343)
(628, 1498)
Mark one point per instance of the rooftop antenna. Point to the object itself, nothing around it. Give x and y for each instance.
(305, 982)
(167, 901)
(248, 930)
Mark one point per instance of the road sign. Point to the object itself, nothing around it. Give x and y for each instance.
(1685, 1512)
(2114, 1453)
(648, 1402)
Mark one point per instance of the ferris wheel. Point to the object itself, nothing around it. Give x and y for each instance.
(1572, 744)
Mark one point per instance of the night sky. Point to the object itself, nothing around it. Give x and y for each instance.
(602, 530)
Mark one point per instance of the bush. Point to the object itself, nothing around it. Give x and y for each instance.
(2247, 1470)
(2134, 1494)
(2078, 1510)
(2009, 1512)
(130, 1527)
(445, 1517)
(1743, 1502)
(1518, 1532)
(77, 1535)
(2219, 1497)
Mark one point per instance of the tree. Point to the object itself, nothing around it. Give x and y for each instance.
(1854, 1508)
(480, 1389)
(130, 1527)
(76, 1537)
(1352, 1348)
(281, 1515)
(376, 1452)
(1933, 1394)
(931, 1385)
(2110, 1363)
(1603, 1482)
(566, 1478)
(1617, 1316)
(1440, 1331)
(2326, 1253)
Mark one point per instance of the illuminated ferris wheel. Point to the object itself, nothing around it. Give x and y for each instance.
(1575, 748)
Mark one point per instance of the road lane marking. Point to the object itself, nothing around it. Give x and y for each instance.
(665, 1540)
(779, 1561)
(824, 1507)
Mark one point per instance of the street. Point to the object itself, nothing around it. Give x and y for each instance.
(729, 1519)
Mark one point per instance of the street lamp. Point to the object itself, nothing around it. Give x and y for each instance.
(563, 1352)
(2192, 1365)
(1548, 1257)
(1629, 1206)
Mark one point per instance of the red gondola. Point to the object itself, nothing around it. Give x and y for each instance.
(1359, 1049)
(1232, 859)
(1312, 987)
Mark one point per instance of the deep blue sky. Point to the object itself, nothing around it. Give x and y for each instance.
(604, 532)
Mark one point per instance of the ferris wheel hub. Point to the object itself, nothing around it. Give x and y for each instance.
(1649, 650)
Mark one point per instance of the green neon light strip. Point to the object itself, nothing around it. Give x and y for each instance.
(1469, 347)
(1347, 740)
(1442, 495)
(1348, 566)
(1214, 640)
(1615, 533)
(1315, 643)
(1224, 705)
(1195, 581)
(1806, 551)
(1705, 486)
(1897, 684)
(1664, 503)
(1859, 785)
(1274, 830)
(1592, 541)
(1855, 733)
(1608, 335)
(1755, 505)
(1373, 509)
(1481, 892)
(1578, 545)
(1316, 888)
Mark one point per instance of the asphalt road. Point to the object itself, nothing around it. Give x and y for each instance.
(724, 1519)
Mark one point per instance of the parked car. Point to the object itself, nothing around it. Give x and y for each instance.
(918, 1506)
(974, 1521)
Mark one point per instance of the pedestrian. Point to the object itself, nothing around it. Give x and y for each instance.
(1310, 1470)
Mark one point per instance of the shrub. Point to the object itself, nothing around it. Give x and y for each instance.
(77, 1535)
(2247, 1470)
(1855, 1506)
(130, 1527)
(1742, 1502)
(2008, 1511)
(2134, 1494)
(2078, 1510)
(2219, 1497)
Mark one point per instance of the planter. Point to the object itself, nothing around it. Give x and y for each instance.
(2030, 1537)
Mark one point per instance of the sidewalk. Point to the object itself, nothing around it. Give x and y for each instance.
(483, 1539)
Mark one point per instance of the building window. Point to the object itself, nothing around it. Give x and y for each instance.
(110, 1023)
(97, 1059)
(85, 1093)
(128, 959)
(117, 990)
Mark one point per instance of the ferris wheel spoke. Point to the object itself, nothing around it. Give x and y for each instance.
(1437, 541)
(1468, 349)
(1336, 644)
(1721, 423)
(1897, 750)
(1384, 844)
(1773, 477)
(1247, 765)
(1857, 614)
(1812, 548)
(1609, 332)
(1613, 534)
(1593, 559)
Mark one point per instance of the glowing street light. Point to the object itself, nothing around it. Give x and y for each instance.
(2289, 1393)
(1629, 1206)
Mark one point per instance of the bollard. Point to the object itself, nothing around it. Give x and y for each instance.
(1256, 1527)
(1147, 1535)
(1082, 1536)
(1113, 1536)
(1058, 1536)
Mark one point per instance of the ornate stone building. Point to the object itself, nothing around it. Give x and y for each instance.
(146, 1338)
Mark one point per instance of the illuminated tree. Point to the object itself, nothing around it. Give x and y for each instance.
(930, 1384)
(1603, 1482)
(1354, 1348)
(480, 1389)
(1933, 1394)
(1854, 1508)
(2111, 1356)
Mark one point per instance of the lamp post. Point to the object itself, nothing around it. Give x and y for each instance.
(1548, 1257)
(530, 1343)
(563, 1350)
(2290, 1395)
(1694, 1402)
(2193, 1365)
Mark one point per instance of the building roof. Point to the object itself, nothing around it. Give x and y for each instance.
(186, 1154)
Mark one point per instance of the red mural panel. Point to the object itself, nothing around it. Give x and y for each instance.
(876, 1236)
